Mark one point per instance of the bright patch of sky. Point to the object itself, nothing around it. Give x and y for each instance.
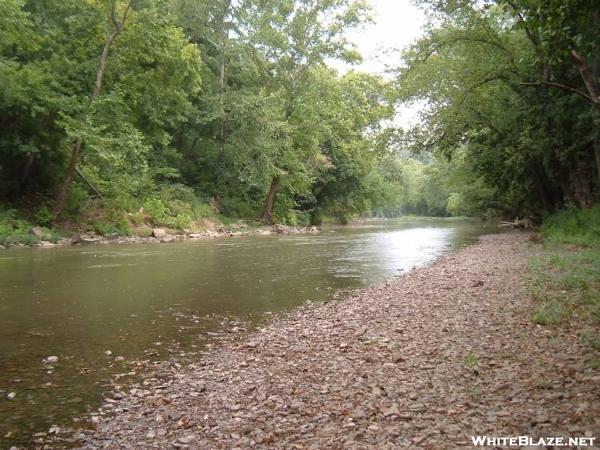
(397, 24)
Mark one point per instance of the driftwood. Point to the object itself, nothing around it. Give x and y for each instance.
(525, 223)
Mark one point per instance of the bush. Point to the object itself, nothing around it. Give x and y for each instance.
(76, 199)
(14, 230)
(176, 207)
(44, 216)
(159, 214)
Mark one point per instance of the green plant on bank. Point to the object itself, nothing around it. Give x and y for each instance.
(566, 282)
(16, 230)
(574, 226)
(470, 360)
(119, 227)
(44, 216)
(176, 215)
(565, 279)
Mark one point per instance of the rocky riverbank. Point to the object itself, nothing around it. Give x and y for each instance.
(161, 235)
(425, 361)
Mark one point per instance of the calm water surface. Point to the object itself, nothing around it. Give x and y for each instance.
(78, 303)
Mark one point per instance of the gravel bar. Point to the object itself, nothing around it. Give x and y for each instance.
(426, 360)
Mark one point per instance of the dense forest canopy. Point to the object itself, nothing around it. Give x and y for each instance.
(512, 95)
(167, 111)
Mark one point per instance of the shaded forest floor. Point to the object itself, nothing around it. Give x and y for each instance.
(425, 361)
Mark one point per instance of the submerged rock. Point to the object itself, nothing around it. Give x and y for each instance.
(50, 360)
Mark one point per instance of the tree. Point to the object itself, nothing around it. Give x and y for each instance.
(117, 25)
(531, 146)
(295, 37)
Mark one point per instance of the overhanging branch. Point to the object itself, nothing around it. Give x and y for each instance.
(564, 87)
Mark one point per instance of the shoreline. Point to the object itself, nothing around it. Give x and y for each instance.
(424, 360)
(162, 236)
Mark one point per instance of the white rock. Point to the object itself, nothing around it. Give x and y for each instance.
(159, 232)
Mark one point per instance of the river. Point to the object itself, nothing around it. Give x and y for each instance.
(98, 307)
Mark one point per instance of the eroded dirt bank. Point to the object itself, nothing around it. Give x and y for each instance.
(425, 361)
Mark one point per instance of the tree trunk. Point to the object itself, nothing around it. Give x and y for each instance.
(220, 175)
(581, 183)
(267, 211)
(597, 155)
(221, 158)
(541, 186)
(588, 75)
(25, 175)
(63, 189)
(222, 102)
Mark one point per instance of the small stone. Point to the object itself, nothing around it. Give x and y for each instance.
(397, 358)
(391, 411)
(369, 357)
(186, 439)
(11, 395)
(108, 353)
(50, 360)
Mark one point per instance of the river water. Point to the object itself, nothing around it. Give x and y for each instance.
(88, 305)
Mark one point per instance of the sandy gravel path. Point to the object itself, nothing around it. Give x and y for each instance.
(425, 361)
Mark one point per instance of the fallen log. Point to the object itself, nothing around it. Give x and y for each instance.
(525, 223)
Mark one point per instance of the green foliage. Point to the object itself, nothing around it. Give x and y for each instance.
(116, 223)
(568, 282)
(111, 227)
(470, 360)
(209, 102)
(14, 230)
(44, 216)
(491, 78)
(220, 126)
(175, 207)
(573, 226)
(565, 281)
(551, 313)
